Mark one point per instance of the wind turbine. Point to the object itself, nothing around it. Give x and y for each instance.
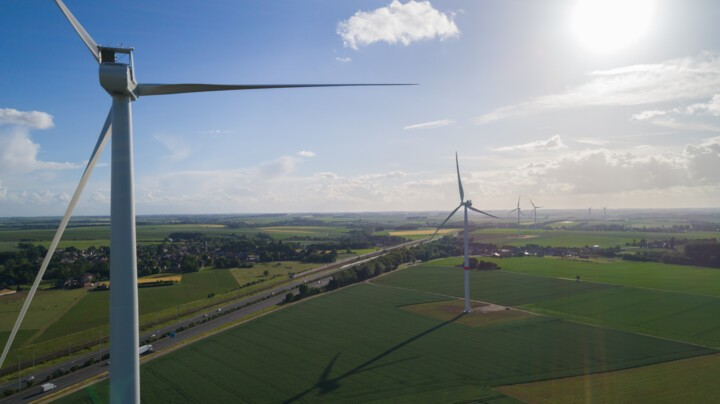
(535, 208)
(589, 215)
(466, 237)
(118, 79)
(604, 208)
(519, 212)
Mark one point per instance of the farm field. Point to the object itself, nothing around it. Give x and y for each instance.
(361, 345)
(576, 238)
(652, 275)
(93, 309)
(417, 234)
(684, 381)
(668, 314)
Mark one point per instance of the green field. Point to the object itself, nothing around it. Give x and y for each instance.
(674, 313)
(93, 309)
(576, 238)
(651, 275)
(362, 344)
(684, 381)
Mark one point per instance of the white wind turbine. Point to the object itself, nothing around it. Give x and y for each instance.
(519, 212)
(118, 79)
(466, 237)
(535, 208)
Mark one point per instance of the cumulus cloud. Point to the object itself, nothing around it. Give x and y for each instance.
(278, 167)
(554, 143)
(306, 153)
(704, 161)
(18, 153)
(30, 119)
(668, 117)
(430, 125)
(689, 78)
(397, 22)
(597, 171)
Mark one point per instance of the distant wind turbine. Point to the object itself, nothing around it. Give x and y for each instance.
(589, 215)
(519, 212)
(535, 208)
(604, 208)
(466, 237)
(118, 79)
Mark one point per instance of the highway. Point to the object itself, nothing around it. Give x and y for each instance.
(232, 312)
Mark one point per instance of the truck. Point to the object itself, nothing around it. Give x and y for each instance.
(145, 349)
(47, 387)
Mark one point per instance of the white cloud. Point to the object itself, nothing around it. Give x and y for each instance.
(553, 143)
(278, 167)
(689, 78)
(18, 154)
(343, 59)
(306, 153)
(430, 125)
(398, 22)
(31, 119)
(704, 161)
(176, 146)
(645, 115)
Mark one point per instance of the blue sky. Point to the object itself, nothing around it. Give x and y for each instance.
(537, 102)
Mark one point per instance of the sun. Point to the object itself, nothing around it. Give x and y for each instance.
(610, 25)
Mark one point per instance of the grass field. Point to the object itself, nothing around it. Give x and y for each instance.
(672, 313)
(576, 238)
(691, 380)
(362, 344)
(93, 310)
(423, 232)
(651, 275)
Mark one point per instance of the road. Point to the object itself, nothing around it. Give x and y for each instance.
(232, 312)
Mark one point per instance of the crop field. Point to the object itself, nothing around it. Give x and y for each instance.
(673, 313)
(423, 232)
(686, 279)
(361, 344)
(93, 309)
(47, 306)
(277, 273)
(576, 238)
(692, 380)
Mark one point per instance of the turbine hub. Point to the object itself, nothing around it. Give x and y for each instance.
(118, 79)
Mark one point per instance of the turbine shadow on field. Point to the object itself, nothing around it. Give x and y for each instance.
(327, 385)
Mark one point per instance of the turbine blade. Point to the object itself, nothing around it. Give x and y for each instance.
(86, 38)
(484, 213)
(445, 221)
(102, 140)
(164, 89)
(457, 165)
(531, 203)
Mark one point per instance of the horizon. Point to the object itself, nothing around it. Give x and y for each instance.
(536, 101)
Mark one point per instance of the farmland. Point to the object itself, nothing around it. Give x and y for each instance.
(577, 238)
(361, 344)
(684, 381)
(674, 313)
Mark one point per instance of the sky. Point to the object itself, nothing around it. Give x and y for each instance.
(572, 104)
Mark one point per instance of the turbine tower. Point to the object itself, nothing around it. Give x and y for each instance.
(589, 215)
(604, 208)
(466, 236)
(519, 212)
(535, 208)
(118, 79)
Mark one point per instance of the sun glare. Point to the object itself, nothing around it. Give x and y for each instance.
(610, 25)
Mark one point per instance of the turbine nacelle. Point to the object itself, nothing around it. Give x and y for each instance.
(118, 79)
